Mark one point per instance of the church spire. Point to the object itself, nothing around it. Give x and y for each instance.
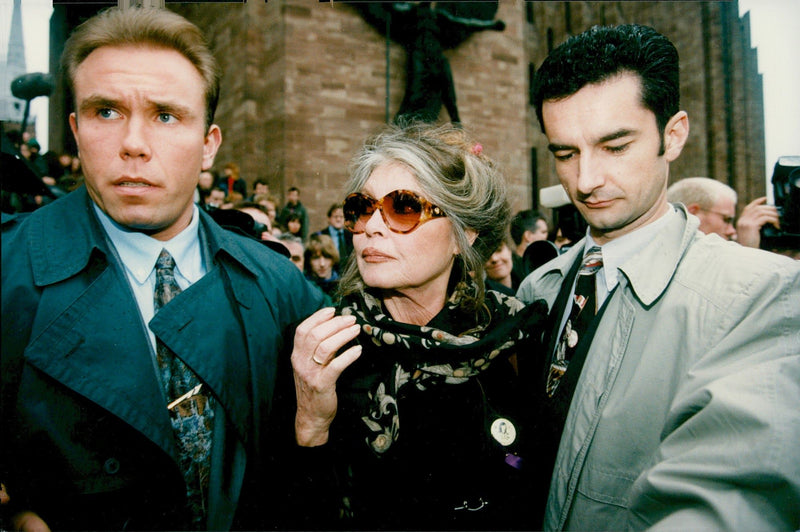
(11, 108)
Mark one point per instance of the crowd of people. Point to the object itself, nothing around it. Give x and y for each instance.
(319, 254)
(178, 354)
(57, 174)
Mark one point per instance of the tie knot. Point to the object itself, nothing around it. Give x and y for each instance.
(592, 261)
(165, 261)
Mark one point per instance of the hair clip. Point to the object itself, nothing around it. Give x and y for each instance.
(477, 149)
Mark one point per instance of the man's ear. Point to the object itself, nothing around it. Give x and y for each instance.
(693, 208)
(73, 125)
(528, 236)
(675, 135)
(211, 145)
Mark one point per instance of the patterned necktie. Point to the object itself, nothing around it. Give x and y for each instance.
(581, 315)
(191, 411)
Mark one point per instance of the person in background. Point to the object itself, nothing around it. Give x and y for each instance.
(215, 199)
(205, 184)
(294, 225)
(141, 341)
(500, 273)
(232, 182)
(294, 207)
(260, 188)
(321, 260)
(31, 151)
(526, 227)
(752, 219)
(668, 400)
(270, 203)
(262, 226)
(232, 199)
(714, 203)
(407, 413)
(343, 240)
(296, 249)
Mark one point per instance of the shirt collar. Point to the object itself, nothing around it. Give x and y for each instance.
(138, 251)
(618, 251)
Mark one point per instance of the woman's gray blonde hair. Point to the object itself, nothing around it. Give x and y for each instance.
(453, 174)
(144, 26)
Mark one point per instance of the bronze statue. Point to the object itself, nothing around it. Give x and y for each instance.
(425, 30)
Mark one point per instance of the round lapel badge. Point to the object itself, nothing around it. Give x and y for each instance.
(503, 431)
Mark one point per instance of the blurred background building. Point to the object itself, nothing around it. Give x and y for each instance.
(306, 81)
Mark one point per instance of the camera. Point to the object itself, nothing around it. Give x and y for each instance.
(786, 189)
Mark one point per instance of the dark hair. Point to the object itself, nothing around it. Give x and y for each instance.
(250, 205)
(334, 207)
(525, 221)
(602, 52)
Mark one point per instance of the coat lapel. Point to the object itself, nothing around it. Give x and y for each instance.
(96, 346)
(201, 328)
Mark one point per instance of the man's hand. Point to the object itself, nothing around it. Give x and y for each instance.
(754, 216)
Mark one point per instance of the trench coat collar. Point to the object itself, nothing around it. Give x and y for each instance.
(71, 219)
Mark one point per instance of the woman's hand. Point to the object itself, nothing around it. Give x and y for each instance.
(24, 521)
(316, 370)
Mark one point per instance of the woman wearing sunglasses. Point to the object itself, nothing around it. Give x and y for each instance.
(406, 393)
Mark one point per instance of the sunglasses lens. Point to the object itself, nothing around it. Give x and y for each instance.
(357, 210)
(403, 210)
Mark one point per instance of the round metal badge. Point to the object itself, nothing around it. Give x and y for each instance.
(503, 431)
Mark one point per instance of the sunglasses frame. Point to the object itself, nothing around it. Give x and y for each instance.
(428, 211)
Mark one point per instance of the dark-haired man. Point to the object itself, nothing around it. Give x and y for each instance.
(343, 240)
(674, 405)
(140, 339)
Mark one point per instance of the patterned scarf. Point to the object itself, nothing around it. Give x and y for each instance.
(426, 357)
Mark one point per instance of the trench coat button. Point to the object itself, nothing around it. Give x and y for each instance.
(111, 466)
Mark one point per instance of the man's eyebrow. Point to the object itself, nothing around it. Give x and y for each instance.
(616, 135)
(172, 108)
(559, 147)
(96, 102)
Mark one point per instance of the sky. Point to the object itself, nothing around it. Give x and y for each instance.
(775, 32)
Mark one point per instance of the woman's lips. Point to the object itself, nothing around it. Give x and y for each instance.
(373, 255)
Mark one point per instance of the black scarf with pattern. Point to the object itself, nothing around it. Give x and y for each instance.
(425, 357)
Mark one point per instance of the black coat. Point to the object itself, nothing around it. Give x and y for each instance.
(445, 471)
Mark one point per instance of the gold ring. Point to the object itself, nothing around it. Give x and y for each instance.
(317, 361)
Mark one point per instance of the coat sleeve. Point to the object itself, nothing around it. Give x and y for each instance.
(729, 457)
